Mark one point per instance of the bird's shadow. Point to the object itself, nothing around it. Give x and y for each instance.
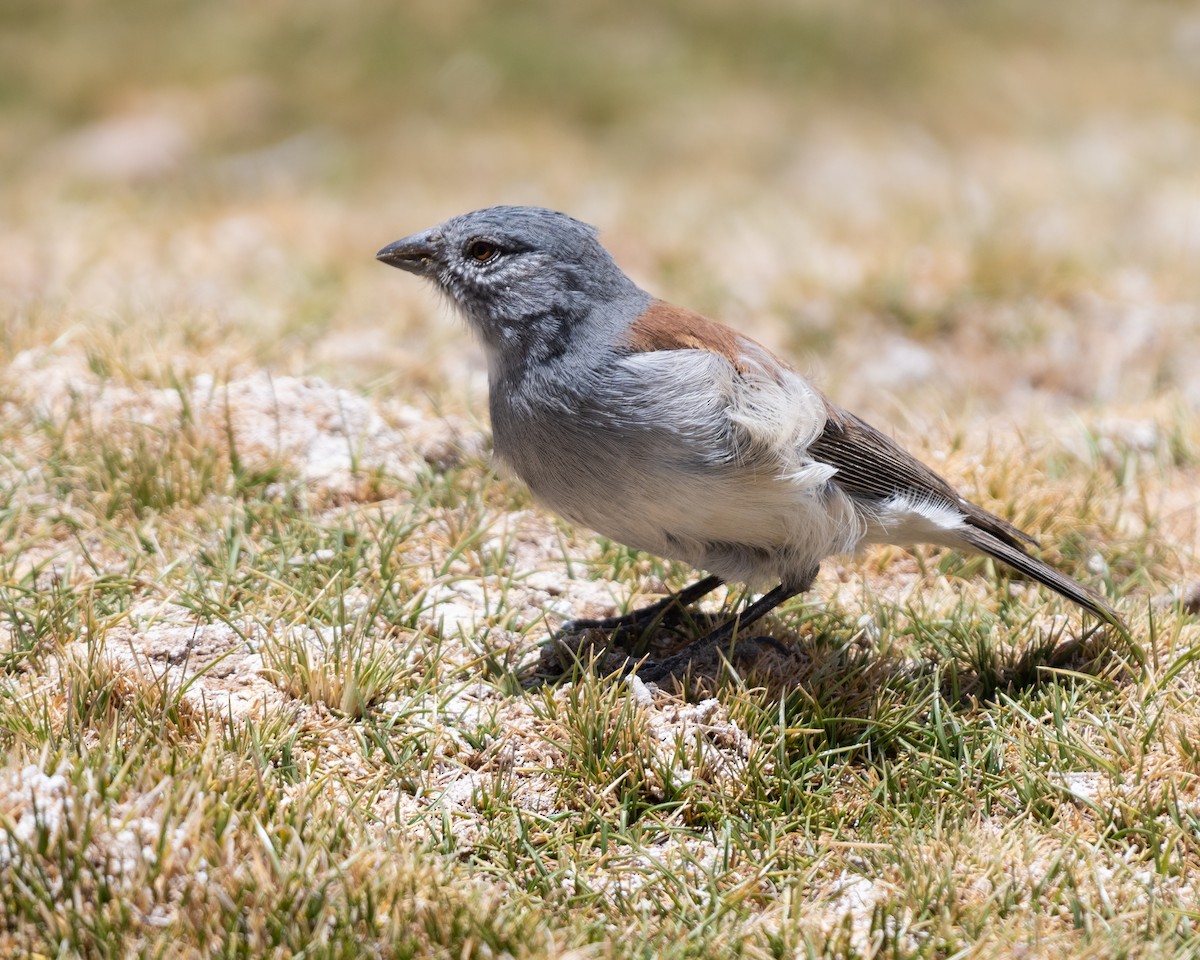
(828, 652)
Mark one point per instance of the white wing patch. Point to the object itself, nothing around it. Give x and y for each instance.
(907, 519)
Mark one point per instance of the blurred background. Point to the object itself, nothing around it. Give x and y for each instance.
(976, 207)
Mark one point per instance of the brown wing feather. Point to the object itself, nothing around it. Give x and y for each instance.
(873, 466)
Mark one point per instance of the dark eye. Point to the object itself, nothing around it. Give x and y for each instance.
(481, 251)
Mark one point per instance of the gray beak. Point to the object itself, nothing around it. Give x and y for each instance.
(414, 254)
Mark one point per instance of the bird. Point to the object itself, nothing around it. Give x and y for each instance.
(679, 436)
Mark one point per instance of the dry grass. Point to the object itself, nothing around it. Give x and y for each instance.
(271, 631)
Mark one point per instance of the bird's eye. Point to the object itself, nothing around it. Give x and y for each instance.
(481, 251)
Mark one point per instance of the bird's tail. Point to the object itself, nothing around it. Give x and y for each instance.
(1033, 568)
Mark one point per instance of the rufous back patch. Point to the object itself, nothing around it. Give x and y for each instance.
(664, 326)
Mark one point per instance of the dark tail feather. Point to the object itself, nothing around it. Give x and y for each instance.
(1033, 568)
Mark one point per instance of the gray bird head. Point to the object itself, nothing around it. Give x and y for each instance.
(526, 278)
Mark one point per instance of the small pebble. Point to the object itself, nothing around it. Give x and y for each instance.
(641, 693)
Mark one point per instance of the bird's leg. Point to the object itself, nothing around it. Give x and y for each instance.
(667, 611)
(719, 640)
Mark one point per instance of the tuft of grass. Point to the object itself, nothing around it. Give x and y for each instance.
(349, 667)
